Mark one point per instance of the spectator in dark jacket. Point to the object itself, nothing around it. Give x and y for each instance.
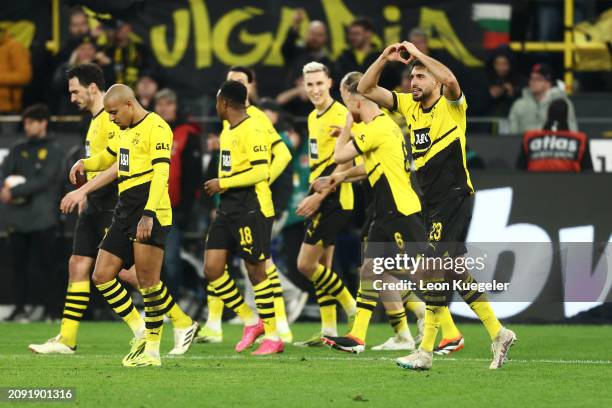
(30, 179)
(314, 47)
(361, 52)
(184, 183)
(504, 82)
(128, 57)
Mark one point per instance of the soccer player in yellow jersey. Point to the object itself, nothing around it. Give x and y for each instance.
(279, 157)
(86, 87)
(240, 226)
(327, 212)
(397, 225)
(141, 155)
(435, 113)
(396, 303)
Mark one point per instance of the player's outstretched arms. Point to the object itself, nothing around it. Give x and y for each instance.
(368, 85)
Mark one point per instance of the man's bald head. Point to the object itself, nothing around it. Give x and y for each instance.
(120, 93)
(121, 105)
(316, 37)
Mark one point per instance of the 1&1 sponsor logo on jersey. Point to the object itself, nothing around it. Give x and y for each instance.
(226, 160)
(124, 160)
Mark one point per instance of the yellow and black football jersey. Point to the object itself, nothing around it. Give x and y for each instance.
(387, 164)
(101, 131)
(321, 146)
(242, 148)
(143, 153)
(270, 135)
(438, 145)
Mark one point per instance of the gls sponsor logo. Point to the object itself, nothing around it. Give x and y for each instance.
(587, 280)
(162, 146)
(260, 148)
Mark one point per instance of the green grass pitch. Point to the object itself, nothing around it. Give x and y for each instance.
(550, 366)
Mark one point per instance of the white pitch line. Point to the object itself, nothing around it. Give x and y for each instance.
(319, 358)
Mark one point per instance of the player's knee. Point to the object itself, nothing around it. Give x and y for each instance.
(305, 266)
(212, 270)
(257, 272)
(99, 278)
(79, 268)
(146, 281)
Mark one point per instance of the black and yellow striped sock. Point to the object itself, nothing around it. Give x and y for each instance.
(226, 289)
(178, 318)
(367, 298)
(77, 300)
(282, 326)
(264, 300)
(479, 303)
(328, 281)
(157, 301)
(119, 299)
(398, 320)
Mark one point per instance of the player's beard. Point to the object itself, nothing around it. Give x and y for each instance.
(424, 95)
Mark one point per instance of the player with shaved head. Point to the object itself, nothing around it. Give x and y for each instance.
(141, 220)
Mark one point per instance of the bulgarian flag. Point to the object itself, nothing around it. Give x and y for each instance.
(494, 19)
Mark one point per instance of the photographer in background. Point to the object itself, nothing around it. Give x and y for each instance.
(31, 179)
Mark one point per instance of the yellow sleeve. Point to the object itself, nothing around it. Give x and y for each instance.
(458, 109)
(101, 161)
(160, 148)
(281, 156)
